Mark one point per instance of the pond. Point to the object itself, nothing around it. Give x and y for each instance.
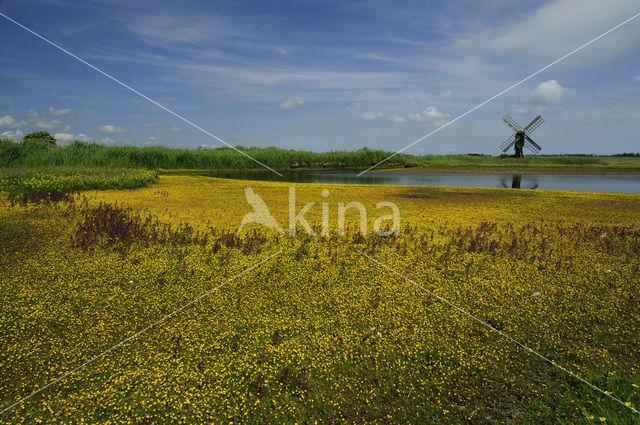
(587, 183)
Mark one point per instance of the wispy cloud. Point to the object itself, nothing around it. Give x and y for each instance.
(48, 124)
(284, 50)
(110, 128)
(444, 95)
(167, 29)
(376, 57)
(7, 121)
(430, 113)
(557, 27)
(64, 138)
(411, 98)
(291, 104)
(370, 115)
(62, 111)
(15, 135)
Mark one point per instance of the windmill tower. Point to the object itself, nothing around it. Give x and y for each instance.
(520, 138)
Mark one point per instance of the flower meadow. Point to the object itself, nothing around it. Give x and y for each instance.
(319, 333)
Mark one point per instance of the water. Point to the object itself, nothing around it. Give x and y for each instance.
(585, 183)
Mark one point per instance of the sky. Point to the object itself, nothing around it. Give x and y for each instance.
(323, 75)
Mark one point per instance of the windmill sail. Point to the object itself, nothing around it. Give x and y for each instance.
(521, 138)
(508, 143)
(511, 123)
(532, 146)
(537, 122)
(530, 140)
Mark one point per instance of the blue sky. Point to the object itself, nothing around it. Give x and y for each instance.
(323, 75)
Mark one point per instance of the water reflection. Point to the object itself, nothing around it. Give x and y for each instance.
(516, 182)
(589, 183)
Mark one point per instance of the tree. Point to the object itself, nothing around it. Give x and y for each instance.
(40, 138)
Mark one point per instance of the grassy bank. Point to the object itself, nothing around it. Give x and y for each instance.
(569, 163)
(542, 169)
(320, 333)
(21, 180)
(158, 157)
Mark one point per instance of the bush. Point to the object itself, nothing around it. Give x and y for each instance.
(10, 152)
(40, 139)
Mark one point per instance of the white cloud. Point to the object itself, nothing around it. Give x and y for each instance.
(376, 57)
(429, 113)
(107, 140)
(40, 121)
(432, 112)
(48, 124)
(12, 134)
(69, 137)
(149, 124)
(548, 92)
(109, 128)
(444, 95)
(33, 115)
(176, 128)
(637, 78)
(64, 137)
(290, 104)
(7, 121)
(397, 118)
(557, 27)
(152, 138)
(411, 98)
(521, 109)
(354, 108)
(370, 115)
(284, 50)
(63, 111)
(181, 29)
(440, 123)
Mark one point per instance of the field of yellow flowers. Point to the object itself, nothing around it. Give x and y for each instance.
(319, 332)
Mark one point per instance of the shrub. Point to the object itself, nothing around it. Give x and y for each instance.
(40, 139)
(10, 152)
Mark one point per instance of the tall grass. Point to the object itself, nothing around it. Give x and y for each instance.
(225, 158)
(156, 157)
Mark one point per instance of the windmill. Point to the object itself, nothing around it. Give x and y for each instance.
(521, 137)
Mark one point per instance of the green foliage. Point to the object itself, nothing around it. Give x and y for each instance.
(23, 180)
(158, 157)
(225, 158)
(40, 138)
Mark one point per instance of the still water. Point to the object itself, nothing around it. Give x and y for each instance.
(587, 183)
